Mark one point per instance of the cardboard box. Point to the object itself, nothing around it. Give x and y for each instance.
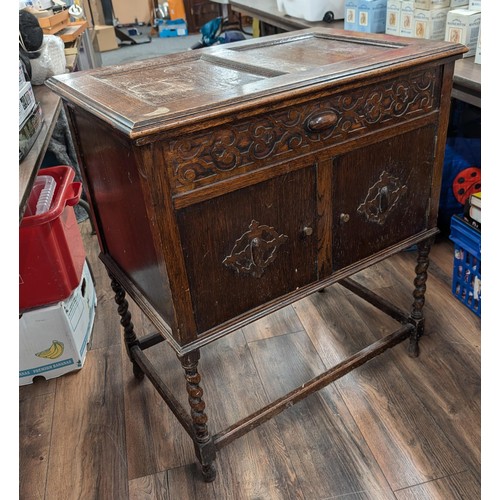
(430, 24)
(458, 3)
(372, 15)
(104, 38)
(27, 102)
(351, 15)
(132, 11)
(53, 340)
(474, 4)
(393, 17)
(407, 18)
(462, 26)
(432, 4)
(72, 31)
(54, 23)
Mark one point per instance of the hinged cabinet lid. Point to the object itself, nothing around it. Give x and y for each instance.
(149, 96)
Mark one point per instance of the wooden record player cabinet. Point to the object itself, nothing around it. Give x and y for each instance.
(228, 182)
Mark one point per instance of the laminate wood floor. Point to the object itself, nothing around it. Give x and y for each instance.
(395, 428)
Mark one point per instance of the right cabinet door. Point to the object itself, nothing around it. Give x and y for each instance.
(381, 194)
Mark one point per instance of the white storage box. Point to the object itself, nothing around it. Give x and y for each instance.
(53, 340)
(406, 23)
(430, 24)
(313, 10)
(372, 15)
(393, 17)
(474, 4)
(458, 3)
(22, 78)
(477, 58)
(432, 4)
(462, 26)
(351, 15)
(26, 102)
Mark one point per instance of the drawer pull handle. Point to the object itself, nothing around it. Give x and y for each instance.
(255, 250)
(344, 218)
(307, 231)
(322, 121)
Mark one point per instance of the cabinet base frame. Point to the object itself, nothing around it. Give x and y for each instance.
(195, 424)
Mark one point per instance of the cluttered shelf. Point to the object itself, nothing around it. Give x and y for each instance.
(467, 76)
(50, 105)
(60, 42)
(267, 12)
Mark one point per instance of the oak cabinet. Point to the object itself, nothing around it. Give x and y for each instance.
(230, 181)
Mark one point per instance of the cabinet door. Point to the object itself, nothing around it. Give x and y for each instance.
(381, 195)
(249, 246)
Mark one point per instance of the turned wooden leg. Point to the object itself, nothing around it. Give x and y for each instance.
(417, 317)
(128, 327)
(204, 446)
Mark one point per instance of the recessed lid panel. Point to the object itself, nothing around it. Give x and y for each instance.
(163, 85)
(305, 53)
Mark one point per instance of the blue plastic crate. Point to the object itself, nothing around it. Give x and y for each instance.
(168, 28)
(466, 285)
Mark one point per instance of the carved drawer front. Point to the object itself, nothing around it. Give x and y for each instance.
(202, 158)
(250, 246)
(381, 195)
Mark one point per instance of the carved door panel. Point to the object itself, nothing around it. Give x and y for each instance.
(247, 247)
(381, 195)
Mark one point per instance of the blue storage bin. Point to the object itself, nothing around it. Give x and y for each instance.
(466, 284)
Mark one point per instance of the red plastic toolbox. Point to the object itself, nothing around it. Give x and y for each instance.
(51, 252)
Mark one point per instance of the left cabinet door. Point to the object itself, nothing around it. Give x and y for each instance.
(250, 246)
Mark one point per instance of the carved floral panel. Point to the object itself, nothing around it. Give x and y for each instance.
(209, 156)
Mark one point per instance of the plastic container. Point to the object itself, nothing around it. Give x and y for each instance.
(466, 283)
(314, 10)
(41, 195)
(51, 251)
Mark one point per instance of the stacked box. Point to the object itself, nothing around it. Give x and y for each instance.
(372, 15)
(466, 282)
(406, 23)
(53, 339)
(104, 38)
(430, 24)
(27, 101)
(475, 5)
(459, 3)
(462, 26)
(351, 15)
(393, 17)
(432, 4)
(477, 58)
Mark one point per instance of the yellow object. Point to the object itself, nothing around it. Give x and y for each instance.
(53, 352)
(256, 27)
(176, 9)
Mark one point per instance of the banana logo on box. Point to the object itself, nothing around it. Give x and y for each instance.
(53, 352)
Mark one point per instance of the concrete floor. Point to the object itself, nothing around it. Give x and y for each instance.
(157, 47)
